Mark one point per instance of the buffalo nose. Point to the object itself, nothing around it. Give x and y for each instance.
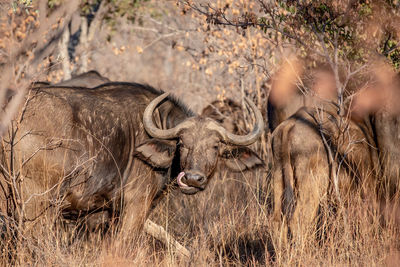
(195, 179)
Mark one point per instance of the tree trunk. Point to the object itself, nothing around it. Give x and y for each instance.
(85, 45)
(64, 54)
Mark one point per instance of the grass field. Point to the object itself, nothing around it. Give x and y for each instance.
(228, 224)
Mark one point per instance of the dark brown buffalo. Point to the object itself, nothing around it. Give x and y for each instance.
(116, 149)
(315, 142)
(101, 220)
(386, 129)
(276, 113)
(308, 150)
(318, 88)
(88, 79)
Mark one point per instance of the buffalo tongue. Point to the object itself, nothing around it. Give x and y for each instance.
(179, 180)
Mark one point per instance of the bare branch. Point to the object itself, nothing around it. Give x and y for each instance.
(158, 232)
(66, 66)
(94, 26)
(19, 54)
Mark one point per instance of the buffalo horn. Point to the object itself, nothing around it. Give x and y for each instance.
(242, 140)
(152, 129)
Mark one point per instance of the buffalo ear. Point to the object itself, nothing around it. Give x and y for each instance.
(158, 153)
(241, 158)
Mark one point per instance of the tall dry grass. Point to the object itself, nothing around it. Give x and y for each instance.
(226, 225)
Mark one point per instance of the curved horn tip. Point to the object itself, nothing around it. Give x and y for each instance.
(151, 128)
(251, 137)
(162, 97)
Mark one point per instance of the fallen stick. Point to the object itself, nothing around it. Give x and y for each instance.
(158, 232)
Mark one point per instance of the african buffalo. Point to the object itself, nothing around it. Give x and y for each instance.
(386, 129)
(319, 156)
(276, 114)
(101, 220)
(88, 79)
(312, 150)
(315, 90)
(110, 149)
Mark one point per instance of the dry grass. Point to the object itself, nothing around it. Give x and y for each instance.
(228, 224)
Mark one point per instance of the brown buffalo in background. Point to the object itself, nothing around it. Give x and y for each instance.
(90, 79)
(291, 89)
(320, 158)
(310, 154)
